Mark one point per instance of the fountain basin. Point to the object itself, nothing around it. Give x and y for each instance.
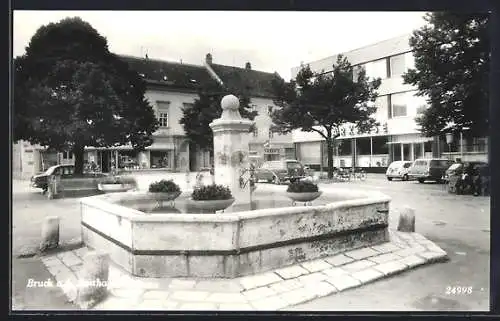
(231, 244)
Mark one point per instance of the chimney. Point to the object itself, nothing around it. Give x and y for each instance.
(248, 66)
(208, 58)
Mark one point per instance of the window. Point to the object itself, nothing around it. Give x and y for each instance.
(407, 165)
(255, 132)
(382, 104)
(409, 61)
(163, 108)
(397, 65)
(163, 120)
(355, 72)
(377, 69)
(398, 105)
(67, 155)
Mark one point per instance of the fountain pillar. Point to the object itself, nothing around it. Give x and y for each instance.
(231, 139)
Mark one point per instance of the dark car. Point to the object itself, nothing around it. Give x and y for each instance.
(280, 171)
(458, 168)
(41, 180)
(431, 169)
(468, 178)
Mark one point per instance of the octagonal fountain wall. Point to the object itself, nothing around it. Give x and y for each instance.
(230, 244)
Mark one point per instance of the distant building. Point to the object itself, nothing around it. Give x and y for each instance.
(398, 137)
(171, 86)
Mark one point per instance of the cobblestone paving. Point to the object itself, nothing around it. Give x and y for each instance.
(272, 290)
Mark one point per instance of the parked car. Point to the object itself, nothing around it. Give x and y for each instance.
(458, 168)
(431, 169)
(41, 180)
(398, 169)
(280, 171)
(468, 178)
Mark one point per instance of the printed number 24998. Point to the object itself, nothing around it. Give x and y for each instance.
(454, 290)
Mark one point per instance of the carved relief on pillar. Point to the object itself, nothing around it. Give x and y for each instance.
(238, 158)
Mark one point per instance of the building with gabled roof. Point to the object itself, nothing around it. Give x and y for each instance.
(170, 87)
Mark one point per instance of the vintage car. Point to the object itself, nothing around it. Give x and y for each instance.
(41, 180)
(398, 169)
(280, 171)
(429, 169)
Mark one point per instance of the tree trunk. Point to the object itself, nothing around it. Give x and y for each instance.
(78, 151)
(329, 148)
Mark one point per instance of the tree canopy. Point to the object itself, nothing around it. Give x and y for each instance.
(197, 117)
(452, 55)
(324, 102)
(70, 91)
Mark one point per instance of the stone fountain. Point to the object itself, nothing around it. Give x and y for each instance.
(233, 243)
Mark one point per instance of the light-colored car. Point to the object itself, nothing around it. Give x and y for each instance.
(398, 169)
(280, 171)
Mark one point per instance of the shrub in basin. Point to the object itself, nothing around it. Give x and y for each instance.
(211, 193)
(302, 187)
(164, 186)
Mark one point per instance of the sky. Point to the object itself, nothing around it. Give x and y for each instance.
(270, 41)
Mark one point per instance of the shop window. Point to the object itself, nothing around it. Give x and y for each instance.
(160, 159)
(128, 159)
(345, 148)
(363, 146)
(379, 145)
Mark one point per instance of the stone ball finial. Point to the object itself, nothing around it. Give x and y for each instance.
(230, 102)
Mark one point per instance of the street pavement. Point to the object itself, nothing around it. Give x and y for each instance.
(459, 224)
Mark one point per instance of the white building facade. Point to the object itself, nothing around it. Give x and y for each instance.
(398, 137)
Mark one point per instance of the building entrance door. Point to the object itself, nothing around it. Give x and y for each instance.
(105, 160)
(406, 152)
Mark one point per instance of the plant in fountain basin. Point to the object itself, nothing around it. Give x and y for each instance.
(303, 191)
(113, 183)
(164, 190)
(212, 197)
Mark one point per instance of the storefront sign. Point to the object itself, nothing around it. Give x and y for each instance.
(271, 151)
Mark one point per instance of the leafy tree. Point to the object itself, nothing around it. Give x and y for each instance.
(70, 91)
(197, 117)
(324, 102)
(451, 69)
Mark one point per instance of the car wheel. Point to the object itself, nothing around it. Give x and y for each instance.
(389, 179)
(421, 180)
(405, 177)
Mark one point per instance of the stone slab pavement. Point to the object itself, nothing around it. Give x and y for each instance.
(278, 289)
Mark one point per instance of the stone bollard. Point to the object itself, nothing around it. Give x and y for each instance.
(93, 279)
(407, 220)
(50, 233)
